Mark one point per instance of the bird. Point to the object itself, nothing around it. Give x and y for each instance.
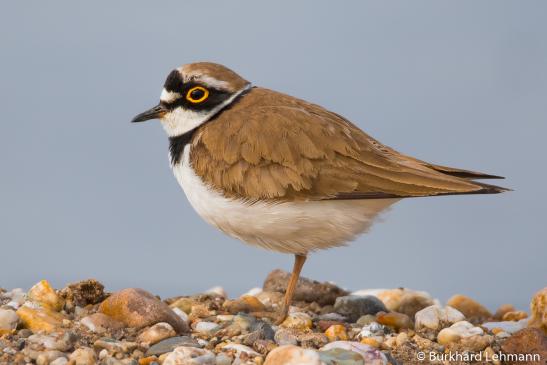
(282, 173)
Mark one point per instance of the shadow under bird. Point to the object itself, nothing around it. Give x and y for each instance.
(282, 173)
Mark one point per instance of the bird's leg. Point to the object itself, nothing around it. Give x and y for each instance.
(299, 261)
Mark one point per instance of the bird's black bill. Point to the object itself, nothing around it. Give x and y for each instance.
(154, 113)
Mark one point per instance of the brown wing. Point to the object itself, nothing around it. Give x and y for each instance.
(273, 146)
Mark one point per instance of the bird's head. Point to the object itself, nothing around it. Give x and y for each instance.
(193, 94)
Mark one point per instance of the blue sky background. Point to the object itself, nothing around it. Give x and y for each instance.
(85, 194)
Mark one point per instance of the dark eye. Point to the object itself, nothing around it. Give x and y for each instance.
(197, 94)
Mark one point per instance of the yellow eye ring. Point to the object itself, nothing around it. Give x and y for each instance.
(197, 94)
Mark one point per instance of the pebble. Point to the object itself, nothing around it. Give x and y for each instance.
(402, 300)
(185, 355)
(458, 331)
(59, 361)
(207, 328)
(59, 341)
(435, 317)
(170, 344)
(506, 326)
(396, 320)
(83, 356)
(15, 297)
(138, 308)
(83, 293)
(46, 357)
(246, 304)
(292, 355)
(297, 320)
(43, 294)
(156, 333)
(239, 348)
(504, 308)
(514, 316)
(40, 319)
(254, 292)
(8, 320)
(369, 354)
(353, 306)
(527, 341)
(217, 290)
(340, 356)
(271, 299)
(538, 308)
(312, 340)
(184, 304)
(471, 309)
(113, 346)
(336, 332)
(100, 323)
(285, 337)
(306, 290)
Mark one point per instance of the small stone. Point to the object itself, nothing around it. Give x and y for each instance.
(369, 354)
(138, 308)
(223, 359)
(83, 356)
(59, 361)
(207, 328)
(285, 337)
(504, 308)
(306, 289)
(100, 323)
(435, 317)
(149, 360)
(156, 333)
(271, 299)
(59, 341)
(292, 355)
(42, 293)
(114, 346)
(371, 341)
(184, 304)
(527, 341)
(297, 320)
(312, 340)
(538, 308)
(366, 319)
(246, 304)
(506, 326)
(401, 339)
(170, 344)
(340, 357)
(336, 332)
(46, 357)
(40, 319)
(8, 320)
(458, 331)
(239, 348)
(471, 309)
(394, 320)
(217, 290)
(514, 316)
(254, 292)
(401, 300)
(83, 293)
(15, 297)
(353, 306)
(184, 355)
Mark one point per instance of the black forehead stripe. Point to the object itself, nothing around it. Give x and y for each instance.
(173, 82)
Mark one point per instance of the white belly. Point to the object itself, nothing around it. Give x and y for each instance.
(290, 227)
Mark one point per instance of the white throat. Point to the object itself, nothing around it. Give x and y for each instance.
(180, 121)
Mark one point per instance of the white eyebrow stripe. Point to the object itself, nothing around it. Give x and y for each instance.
(211, 81)
(169, 96)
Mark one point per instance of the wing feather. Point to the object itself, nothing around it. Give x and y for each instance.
(273, 146)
